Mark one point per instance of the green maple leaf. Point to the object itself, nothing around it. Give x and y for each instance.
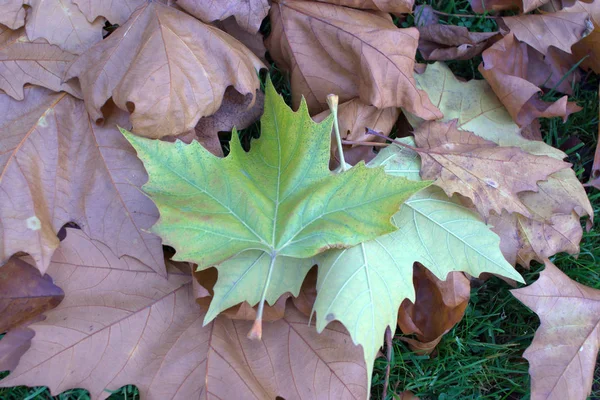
(363, 286)
(267, 211)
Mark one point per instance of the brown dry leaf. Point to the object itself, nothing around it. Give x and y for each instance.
(439, 305)
(563, 353)
(248, 13)
(448, 42)
(308, 293)
(480, 6)
(554, 225)
(388, 6)
(488, 174)
(24, 293)
(115, 11)
(590, 45)
(12, 13)
(254, 42)
(204, 282)
(38, 63)
(62, 23)
(505, 67)
(120, 326)
(12, 347)
(559, 65)
(352, 53)
(57, 166)
(354, 117)
(167, 68)
(561, 30)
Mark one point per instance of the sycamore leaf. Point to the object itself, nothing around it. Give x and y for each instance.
(38, 63)
(589, 45)
(363, 286)
(12, 13)
(116, 12)
(438, 306)
(398, 160)
(63, 24)
(540, 31)
(264, 213)
(562, 356)
(24, 293)
(449, 42)
(165, 67)
(254, 42)
(388, 6)
(490, 175)
(561, 200)
(353, 118)
(505, 68)
(477, 109)
(480, 6)
(12, 347)
(120, 324)
(248, 13)
(331, 49)
(57, 166)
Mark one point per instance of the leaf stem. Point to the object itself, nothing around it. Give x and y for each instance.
(256, 331)
(332, 102)
(374, 144)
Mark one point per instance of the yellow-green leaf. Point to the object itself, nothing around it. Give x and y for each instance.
(279, 198)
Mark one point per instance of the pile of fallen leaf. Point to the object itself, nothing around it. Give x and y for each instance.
(101, 133)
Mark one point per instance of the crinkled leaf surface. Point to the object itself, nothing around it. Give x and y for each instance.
(561, 200)
(562, 356)
(490, 175)
(278, 200)
(57, 166)
(165, 67)
(122, 324)
(363, 286)
(12, 13)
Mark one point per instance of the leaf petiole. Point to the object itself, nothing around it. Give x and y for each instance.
(332, 102)
(256, 330)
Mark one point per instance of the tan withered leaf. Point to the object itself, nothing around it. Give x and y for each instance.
(165, 67)
(24, 293)
(12, 347)
(352, 53)
(561, 30)
(563, 353)
(62, 23)
(389, 6)
(354, 117)
(480, 6)
(554, 225)
(248, 13)
(120, 326)
(505, 68)
(38, 63)
(116, 12)
(12, 13)
(439, 305)
(254, 42)
(57, 166)
(590, 45)
(490, 175)
(449, 42)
